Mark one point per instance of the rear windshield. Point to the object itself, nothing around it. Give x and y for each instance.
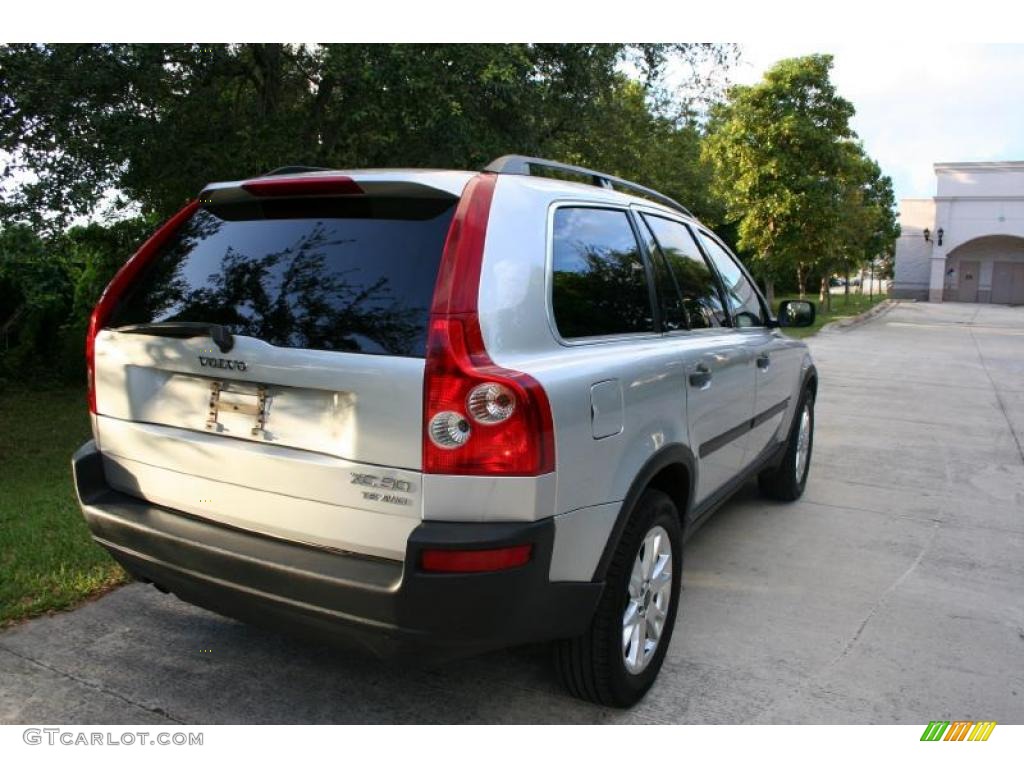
(343, 275)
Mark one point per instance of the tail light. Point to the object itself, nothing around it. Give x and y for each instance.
(122, 280)
(479, 418)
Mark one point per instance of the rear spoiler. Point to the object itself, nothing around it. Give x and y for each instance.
(326, 184)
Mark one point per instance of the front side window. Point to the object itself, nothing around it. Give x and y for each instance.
(670, 302)
(744, 303)
(696, 288)
(599, 282)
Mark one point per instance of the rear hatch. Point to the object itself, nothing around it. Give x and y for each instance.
(266, 369)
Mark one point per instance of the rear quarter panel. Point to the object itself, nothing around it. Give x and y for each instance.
(515, 320)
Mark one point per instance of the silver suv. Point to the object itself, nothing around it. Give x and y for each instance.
(438, 410)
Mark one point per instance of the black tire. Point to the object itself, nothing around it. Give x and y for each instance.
(592, 666)
(781, 482)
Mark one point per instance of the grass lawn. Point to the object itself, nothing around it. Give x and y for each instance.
(47, 560)
(842, 306)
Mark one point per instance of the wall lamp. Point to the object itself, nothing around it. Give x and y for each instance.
(928, 235)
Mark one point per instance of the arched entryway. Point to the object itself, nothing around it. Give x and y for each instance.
(986, 269)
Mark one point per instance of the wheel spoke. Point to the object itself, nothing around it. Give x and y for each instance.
(662, 573)
(641, 627)
(636, 579)
(629, 626)
(634, 652)
(655, 622)
(646, 555)
(657, 611)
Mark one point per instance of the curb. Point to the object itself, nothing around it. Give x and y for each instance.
(848, 322)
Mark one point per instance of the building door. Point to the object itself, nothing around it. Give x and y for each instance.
(1008, 282)
(967, 289)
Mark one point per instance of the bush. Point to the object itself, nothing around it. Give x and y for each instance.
(47, 290)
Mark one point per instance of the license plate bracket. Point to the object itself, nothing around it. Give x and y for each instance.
(236, 403)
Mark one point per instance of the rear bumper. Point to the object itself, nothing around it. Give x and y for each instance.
(389, 607)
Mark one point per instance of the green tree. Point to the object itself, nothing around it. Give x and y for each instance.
(781, 153)
(867, 228)
(156, 122)
(657, 147)
(48, 287)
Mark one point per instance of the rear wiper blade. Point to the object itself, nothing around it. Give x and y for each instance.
(221, 336)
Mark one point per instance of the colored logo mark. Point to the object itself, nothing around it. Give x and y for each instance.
(958, 730)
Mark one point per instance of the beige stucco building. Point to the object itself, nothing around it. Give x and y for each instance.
(967, 242)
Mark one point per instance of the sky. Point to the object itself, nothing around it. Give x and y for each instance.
(920, 103)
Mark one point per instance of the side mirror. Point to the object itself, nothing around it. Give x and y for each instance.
(796, 314)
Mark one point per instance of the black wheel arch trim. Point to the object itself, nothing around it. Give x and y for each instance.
(670, 455)
(811, 374)
(808, 380)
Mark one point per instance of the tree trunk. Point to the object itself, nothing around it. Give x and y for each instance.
(769, 292)
(826, 295)
(846, 287)
(801, 280)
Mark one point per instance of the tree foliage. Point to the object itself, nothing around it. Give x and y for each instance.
(789, 168)
(157, 122)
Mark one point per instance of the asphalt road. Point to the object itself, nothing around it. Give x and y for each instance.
(893, 592)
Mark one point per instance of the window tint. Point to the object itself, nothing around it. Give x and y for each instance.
(696, 290)
(600, 283)
(673, 312)
(744, 303)
(343, 275)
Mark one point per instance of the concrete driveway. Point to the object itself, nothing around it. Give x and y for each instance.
(892, 593)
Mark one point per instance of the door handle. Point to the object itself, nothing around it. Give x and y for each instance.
(763, 361)
(701, 376)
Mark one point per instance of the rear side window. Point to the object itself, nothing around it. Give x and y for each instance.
(347, 275)
(599, 279)
(697, 296)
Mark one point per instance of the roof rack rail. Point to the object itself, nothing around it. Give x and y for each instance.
(294, 169)
(521, 165)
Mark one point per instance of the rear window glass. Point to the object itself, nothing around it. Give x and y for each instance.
(341, 275)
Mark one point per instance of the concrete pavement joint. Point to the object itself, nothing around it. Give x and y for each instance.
(808, 681)
(912, 519)
(881, 599)
(898, 516)
(999, 399)
(89, 684)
